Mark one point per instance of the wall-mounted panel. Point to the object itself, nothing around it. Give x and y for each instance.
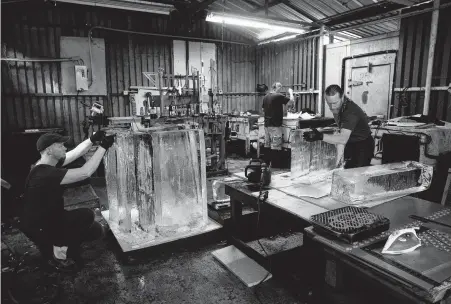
(80, 47)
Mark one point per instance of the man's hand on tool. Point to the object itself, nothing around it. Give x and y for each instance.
(313, 135)
(107, 142)
(97, 136)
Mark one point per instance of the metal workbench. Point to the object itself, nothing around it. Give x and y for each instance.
(397, 281)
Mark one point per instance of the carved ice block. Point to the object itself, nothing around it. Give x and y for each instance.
(355, 186)
(180, 180)
(311, 159)
(126, 179)
(144, 178)
(156, 181)
(110, 162)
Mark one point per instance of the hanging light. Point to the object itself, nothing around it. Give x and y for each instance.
(275, 27)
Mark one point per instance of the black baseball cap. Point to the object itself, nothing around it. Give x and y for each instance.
(48, 139)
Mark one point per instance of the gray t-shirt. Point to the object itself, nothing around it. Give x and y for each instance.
(353, 118)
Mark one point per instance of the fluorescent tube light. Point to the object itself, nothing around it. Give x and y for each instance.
(213, 17)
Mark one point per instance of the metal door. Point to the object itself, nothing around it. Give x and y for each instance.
(370, 87)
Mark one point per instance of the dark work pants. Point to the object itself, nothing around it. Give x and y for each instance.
(359, 154)
(79, 226)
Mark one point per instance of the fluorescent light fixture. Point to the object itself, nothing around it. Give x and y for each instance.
(284, 38)
(278, 39)
(240, 21)
(268, 34)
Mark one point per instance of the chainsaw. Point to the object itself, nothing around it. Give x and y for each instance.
(258, 172)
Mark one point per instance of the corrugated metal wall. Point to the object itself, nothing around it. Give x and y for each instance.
(291, 64)
(412, 65)
(239, 77)
(31, 92)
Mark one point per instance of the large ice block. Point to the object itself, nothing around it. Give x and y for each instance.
(355, 186)
(311, 159)
(145, 194)
(126, 179)
(110, 162)
(156, 181)
(179, 179)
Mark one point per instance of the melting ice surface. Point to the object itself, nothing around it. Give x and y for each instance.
(355, 185)
(311, 160)
(156, 182)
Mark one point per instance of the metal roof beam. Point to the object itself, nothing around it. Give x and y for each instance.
(270, 4)
(300, 11)
(362, 13)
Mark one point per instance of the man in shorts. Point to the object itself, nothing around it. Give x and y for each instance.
(273, 104)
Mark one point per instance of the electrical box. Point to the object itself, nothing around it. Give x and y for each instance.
(81, 78)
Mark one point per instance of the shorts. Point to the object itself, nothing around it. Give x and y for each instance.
(273, 138)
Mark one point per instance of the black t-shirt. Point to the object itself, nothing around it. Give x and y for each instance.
(353, 118)
(44, 203)
(273, 108)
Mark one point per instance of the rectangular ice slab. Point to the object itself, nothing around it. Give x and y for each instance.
(180, 179)
(311, 159)
(355, 186)
(156, 181)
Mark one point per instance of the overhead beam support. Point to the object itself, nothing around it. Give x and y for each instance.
(403, 2)
(203, 5)
(300, 11)
(429, 71)
(362, 13)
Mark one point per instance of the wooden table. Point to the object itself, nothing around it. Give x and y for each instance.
(396, 210)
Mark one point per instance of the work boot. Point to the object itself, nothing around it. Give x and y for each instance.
(74, 253)
(67, 265)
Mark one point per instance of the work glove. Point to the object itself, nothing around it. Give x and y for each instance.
(313, 135)
(97, 136)
(107, 142)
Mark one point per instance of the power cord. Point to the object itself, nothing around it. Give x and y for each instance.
(262, 196)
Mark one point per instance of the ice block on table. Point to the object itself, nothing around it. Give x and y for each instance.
(179, 179)
(126, 179)
(310, 157)
(145, 197)
(355, 186)
(110, 162)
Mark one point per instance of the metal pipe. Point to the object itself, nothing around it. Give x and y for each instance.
(420, 89)
(164, 35)
(432, 40)
(320, 70)
(42, 60)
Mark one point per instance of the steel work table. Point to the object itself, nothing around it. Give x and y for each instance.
(337, 251)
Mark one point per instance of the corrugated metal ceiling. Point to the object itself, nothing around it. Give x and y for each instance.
(308, 11)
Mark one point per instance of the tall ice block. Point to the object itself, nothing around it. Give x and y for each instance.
(355, 186)
(311, 158)
(156, 181)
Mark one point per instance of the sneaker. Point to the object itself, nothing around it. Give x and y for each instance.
(67, 265)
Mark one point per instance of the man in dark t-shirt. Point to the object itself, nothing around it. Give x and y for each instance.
(272, 108)
(353, 130)
(59, 233)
